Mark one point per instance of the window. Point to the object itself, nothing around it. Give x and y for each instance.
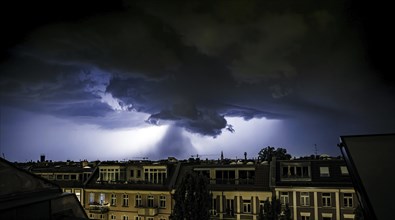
(113, 200)
(102, 198)
(138, 173)
(247, 206)
(304, 199)
(326, 199)
(347, 200)
(150, 201)
(230, 207)
(225, 176)
(78, 194)
(73, 177)
(246, 176)
(324, 171)
(305, 215)
(284, 198)
(137, 201)
(91, 215)
(137, 218)
(162, 201)
(125, 217)
(91, 198)
(156, 175)
(101, 216)
(66, 177)
(113, 217)
(131, 173)
(344, 170)
(213, 210)
(150, 218)
(59, 177)
(326, 218)
(125, 200)
(295, 171)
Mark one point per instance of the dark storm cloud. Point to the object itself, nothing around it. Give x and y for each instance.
(195, 63)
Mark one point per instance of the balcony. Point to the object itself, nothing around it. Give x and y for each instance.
(147, 211)
(93, 208)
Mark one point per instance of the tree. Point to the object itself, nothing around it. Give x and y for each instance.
(192, 198)
(268, 152)
(271, 209)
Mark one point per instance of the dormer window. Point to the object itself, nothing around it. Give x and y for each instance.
(324, 172)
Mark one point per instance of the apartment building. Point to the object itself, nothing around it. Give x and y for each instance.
(313, 188)
(238, 188)
(70, 176)
(134, 190)
(319, 189)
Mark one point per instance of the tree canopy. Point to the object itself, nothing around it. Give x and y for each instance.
(192, 198)
(267, 153)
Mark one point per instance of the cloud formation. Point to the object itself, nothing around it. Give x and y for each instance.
(192, 65)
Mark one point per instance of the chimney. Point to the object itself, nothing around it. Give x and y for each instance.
(42, 158)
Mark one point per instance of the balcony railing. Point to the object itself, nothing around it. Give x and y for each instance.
(147, 211)
(94, 208)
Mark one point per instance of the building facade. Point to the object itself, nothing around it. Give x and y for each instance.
(318, 189)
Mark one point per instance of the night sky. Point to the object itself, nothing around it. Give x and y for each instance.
(115, 80)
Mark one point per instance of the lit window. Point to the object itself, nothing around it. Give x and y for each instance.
(162, 201)
(348, 200)
(284, 198)
(304, 199)
(326, 199)
(344, 170)
(324, 171)
(102, 198)
(91, 198)
(247, 206)
(125, 200)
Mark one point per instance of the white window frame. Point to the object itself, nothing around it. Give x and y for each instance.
(138, 201)
(348, 200)
(125, 200)
(162, 201)
(150, 201)
(326, 200)
(246, 206)
(113, 199)
(304, 198)
(284, 198)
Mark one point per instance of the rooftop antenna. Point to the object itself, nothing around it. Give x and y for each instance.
(315, 150)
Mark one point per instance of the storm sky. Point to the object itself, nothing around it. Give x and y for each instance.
(114, 80)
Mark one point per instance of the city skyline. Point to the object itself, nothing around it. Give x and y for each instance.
(124, 79)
